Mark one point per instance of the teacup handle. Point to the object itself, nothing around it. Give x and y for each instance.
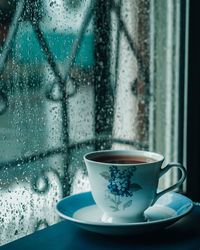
(180, 181)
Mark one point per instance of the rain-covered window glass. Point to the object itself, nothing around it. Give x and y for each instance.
(77, 76)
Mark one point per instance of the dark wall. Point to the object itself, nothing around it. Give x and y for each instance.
(193, 141)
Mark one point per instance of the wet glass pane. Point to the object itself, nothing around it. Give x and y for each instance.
(45, 105)
(77, 76)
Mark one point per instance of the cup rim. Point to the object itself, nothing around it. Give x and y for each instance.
(153, 155)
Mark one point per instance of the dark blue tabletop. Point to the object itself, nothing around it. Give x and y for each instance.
(184, 234)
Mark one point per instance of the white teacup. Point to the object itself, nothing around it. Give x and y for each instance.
(124, 183)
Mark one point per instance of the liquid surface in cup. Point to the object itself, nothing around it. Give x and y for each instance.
(123, 159)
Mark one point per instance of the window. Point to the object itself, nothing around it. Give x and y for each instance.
(78, 76)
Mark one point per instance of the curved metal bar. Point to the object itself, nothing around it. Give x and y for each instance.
(50, 87)
(72, 56)
(78, 40)
(11, 34)
(62, 150)
(41, 223)
(123, 27)
(47, 52)
(43, 176)
(35, 183)
(4, 99)
(32, 158)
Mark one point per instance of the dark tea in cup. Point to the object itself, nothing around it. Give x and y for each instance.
(123, 159)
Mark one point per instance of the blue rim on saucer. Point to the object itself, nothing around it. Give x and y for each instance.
(82, 210)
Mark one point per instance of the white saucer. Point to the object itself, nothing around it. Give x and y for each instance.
(81, 209)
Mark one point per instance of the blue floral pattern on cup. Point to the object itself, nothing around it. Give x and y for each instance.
(120, 185)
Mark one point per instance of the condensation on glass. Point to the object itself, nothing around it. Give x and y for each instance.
(77, 76)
